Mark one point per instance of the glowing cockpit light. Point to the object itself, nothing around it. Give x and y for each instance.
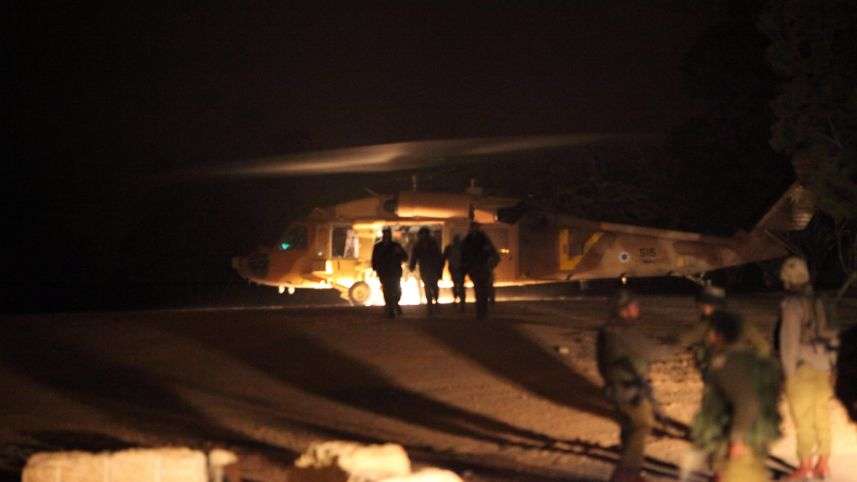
(285, 246)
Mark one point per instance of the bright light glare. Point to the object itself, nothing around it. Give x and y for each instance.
(411, 292)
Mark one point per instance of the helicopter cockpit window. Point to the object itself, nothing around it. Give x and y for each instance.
(344, 242)
(295, 237)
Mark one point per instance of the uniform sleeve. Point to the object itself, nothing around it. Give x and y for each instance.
(738, 388)
(791, 312)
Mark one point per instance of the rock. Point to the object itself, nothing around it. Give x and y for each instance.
(133, 465)
(354, 461)
(221, 465)
(426, 475)
(339, 461)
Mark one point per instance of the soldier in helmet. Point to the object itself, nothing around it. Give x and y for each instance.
(709, 300)
(807, 357)
(426, 253)
(623, 353)
(479, 257)
(387, 259)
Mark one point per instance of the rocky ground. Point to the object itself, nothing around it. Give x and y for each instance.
(515, 397)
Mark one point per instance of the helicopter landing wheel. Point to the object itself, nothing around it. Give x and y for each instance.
(359, 293)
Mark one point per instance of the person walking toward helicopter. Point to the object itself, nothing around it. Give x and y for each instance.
(387, 259)
(479, 257)
(426, 253)
(453, 261)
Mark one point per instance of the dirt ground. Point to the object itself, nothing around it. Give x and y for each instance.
(498, 400)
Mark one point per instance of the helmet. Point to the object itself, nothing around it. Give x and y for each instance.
(794, 273)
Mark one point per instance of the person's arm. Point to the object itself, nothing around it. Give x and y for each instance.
(792, 314)
(375, 260)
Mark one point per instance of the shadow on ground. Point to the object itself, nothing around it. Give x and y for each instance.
(128, 395)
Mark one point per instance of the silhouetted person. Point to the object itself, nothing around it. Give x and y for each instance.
(452, 258)
(479, 257)
(427, 255)
(387, 259)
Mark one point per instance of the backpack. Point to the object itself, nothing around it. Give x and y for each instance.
(710, 426)
(814, 329)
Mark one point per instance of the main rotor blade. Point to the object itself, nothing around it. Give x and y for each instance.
(400, 156)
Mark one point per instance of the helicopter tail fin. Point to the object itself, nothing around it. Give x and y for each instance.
(792, 211)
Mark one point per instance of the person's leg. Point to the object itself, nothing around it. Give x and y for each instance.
(389, 308)
(481, 288)
(428, 293)
(823, 393)
(396, 285)
(799, 392)
(746, 468)
(459, 290)
(636, 422)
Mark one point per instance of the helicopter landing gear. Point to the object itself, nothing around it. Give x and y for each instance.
(359, 292)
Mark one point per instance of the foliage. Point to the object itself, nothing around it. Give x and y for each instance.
(723, 152)
(814, 50)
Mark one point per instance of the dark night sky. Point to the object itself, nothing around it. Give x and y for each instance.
(106, 97)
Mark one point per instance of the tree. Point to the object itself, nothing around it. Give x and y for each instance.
(723, 153)
(814, 51)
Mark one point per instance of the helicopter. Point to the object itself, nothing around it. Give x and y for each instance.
(331, 247)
